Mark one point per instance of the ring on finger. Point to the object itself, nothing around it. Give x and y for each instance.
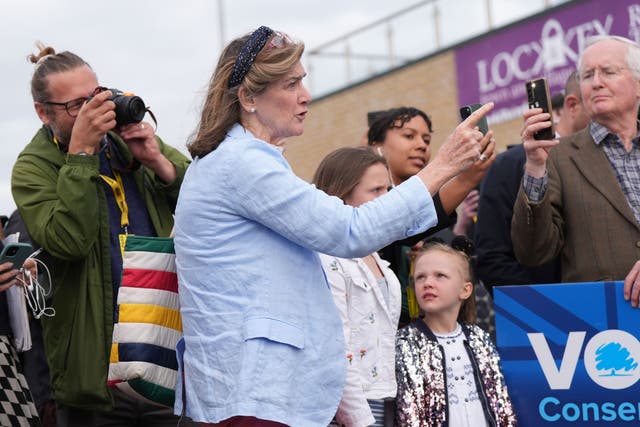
(482, 157)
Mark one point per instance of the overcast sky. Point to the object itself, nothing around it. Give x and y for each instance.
(163, 50)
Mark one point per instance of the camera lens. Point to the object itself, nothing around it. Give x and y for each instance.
(129, 109)
(12, 251)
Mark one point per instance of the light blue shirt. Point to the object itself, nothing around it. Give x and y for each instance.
(262, 336)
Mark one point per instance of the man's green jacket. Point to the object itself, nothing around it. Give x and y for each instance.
(62, 201)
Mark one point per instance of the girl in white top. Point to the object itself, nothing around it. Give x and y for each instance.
(366, 292)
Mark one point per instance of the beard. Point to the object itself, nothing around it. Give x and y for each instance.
(61, 132)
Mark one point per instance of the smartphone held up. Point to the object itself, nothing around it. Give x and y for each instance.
(466, 111)
(538, 97)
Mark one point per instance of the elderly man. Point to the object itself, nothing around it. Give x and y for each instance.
(581, 199)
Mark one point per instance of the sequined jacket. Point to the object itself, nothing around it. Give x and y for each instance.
(422, 387)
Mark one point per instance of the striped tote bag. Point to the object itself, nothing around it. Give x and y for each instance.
(148, 324)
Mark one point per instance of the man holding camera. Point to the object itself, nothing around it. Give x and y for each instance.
(85, 180)
(580, 199)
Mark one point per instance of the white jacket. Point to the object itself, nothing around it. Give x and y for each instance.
(370, 327)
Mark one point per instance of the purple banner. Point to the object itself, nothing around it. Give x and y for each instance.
(495, 68)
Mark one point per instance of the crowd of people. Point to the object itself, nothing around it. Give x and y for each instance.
(338, 302)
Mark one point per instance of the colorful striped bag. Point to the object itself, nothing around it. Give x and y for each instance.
(148, 324)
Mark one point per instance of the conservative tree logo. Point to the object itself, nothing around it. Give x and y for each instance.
(615, 357)
(610, 358)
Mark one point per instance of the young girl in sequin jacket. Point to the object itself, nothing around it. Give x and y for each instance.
(447, 369)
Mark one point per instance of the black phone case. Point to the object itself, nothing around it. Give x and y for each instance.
(538, 97)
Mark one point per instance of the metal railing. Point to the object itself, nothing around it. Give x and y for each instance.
(411, 33)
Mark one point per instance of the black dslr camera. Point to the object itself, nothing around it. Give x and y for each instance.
(129, 107)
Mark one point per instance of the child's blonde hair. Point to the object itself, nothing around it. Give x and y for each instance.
(467, 311)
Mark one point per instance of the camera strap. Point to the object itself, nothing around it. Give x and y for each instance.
(118, 193)
(153, 116)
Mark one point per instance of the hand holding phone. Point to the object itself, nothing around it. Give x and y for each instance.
(538, 97)
(466, 111)
(16, 254)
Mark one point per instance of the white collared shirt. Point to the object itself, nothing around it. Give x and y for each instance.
(370, 323)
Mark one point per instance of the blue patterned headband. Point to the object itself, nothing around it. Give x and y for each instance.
(248, 53)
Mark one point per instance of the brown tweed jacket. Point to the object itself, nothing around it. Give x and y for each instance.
(584, 216)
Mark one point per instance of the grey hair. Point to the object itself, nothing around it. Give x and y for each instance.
(632, 57)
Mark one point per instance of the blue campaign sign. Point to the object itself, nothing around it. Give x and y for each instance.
(570, 353)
